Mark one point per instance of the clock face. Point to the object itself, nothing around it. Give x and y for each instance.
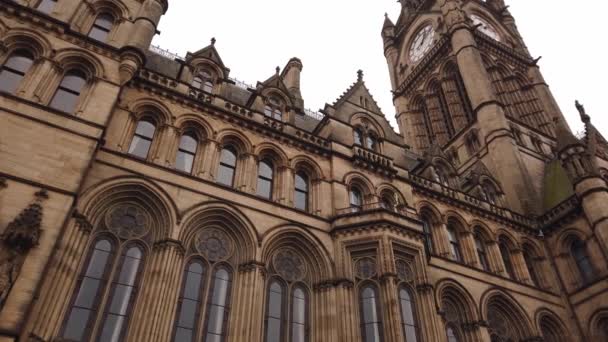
(485, 27)
(422, 43)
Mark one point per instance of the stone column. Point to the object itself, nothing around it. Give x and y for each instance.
(519, 266)
(430, 327)
(246, 166)
(390, 308)
(468, 249)
(593, 194)
(209, 162)
(247, 312)
(319, 199)
(154, 315)
(286, 185)
(324, 313)
(490, 115)
(162, 143)
(348, 308)
(58, 287)
(440, 240)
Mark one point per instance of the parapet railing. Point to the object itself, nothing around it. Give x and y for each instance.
(165, 53)
(376, 206)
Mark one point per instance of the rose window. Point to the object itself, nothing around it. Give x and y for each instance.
(213, 244)
(128, 222)
(289, 265)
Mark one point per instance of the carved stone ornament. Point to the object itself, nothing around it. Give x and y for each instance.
(366, 268)
(499, 327)
(450, 313)
(289, 265)
(128, 222)
(404, 271)
(214, 244)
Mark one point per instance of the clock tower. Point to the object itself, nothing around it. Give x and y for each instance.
(469, 96)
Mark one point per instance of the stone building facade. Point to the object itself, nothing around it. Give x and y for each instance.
(147, 197)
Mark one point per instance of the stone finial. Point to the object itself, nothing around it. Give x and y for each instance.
(581, 111)
(213, 41)
(359, 75)
(278, 70)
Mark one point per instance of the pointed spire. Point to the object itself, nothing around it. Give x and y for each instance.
(359, 75)
(387, 22)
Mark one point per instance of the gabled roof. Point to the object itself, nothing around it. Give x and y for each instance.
(275, 81)
(354, 93)
(209, 52)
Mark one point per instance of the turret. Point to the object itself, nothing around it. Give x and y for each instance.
(144, 28)
(390, 49)
(291, 78)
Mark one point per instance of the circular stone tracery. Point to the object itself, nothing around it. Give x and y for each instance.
(404, 271)
(214, 244)
(365, 268)
(128, 222)
(289, 265)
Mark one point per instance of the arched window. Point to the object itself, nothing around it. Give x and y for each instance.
(122, 292)
(371, 142)
(265, 178)
(387, 201)
(186, 152)
(455, 250)
(301, 191)
(275, 312)
(14, 70)
(93, 279)
(505, 254)
(274, 108)
(371, 324)
(482, 252)
(68, 93)
(441, 176)
(227, 167)
(358, 137)
(408, 315)
(188, 309)
(203, 81)
(488, 192)
(427, 225)
(356, 198)
(47, 6)
(531, 265)
(299, 314)
(450, 332)
(582, 260)
(101, 27)
(217, 306)
(142, 140)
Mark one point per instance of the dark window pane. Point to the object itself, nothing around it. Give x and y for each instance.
(301, 200)
(74, 81)
(9, 80)
(301, 182)
(183, 335)
(145, 129)
(356, 200)
(192, 286)
(275, 304)
(21, 61)
(358, 137)
(506, 259)
(105, 21)
(215, 319)
(98, 263)
(188, 144)
(265, 169)
(64, 101)
(264, 188)
(273, 333)
(140, 147)
(76, 325)
(226, 175)
(98, 34)
(87, 293)
(120, 299)
(187, 314)
(228, 157)
(184, 161)
(112, 329)
(46, 6)
(128, 273)
(372, 333)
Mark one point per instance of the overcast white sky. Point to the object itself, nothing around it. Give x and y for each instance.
(335, 38)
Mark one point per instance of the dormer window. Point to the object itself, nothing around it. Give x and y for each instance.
(489, 193)
(365, 138)
(204, 81)
(274, 108)
(441, 176)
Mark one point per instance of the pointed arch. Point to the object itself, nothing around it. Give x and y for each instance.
(305, 244)
(550, 326)
(487, 233)
(455, 302)
(146, 194)
(228, 219)
(360, 118)
(598, 324)
(505, 316)
(456, 218)
(430, 208)
(114, 7)
(387, 187)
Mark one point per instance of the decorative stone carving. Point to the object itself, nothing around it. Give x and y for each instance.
(214, 244)
(3, 183)
(289, 265)
(19, 237)
(499, 327)
(82, 222)
(128, 222)
(366, 268)
(404, 271)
